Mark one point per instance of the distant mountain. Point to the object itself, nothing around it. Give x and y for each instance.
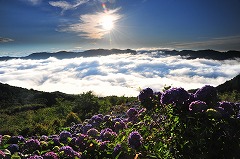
(67, 55)
(206, 54)
(188, 54)
(229, 86)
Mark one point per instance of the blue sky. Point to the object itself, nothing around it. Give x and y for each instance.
(28, 26)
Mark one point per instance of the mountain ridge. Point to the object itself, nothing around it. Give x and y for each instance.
(188, 54)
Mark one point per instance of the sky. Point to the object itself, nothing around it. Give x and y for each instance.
(28, 26)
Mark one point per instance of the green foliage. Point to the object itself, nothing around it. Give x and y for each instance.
(86, 105)
(72, 118)
(233, 96)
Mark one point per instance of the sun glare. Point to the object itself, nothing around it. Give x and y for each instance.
(107, 22)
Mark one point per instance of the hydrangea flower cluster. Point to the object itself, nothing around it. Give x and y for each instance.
(174, 95)
(145, 94)
(35, 157)
(50, 155)
(32, 145)
(107, 134)
(207, 94)
(68, 151)
(135, 140)
(198, 106)
(64, 135)
(13, 148)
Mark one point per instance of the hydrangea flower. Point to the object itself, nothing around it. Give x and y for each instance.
(2, 154)
(68, 151)
(207, 94)
(15, 139)
(13, 148)
(86, 127)
(145, 94)
(81, 141)
(132, 112)
(64, 135)
(50, 155)
(198, 106)
(227, 106)
(213, 113)
(35, 157)
(32, 145)
(174, 95)
(93, 133)
(107, 134)
(103, 145)
(135, 140)
(107, 118)
(119, 126)
(117, 149)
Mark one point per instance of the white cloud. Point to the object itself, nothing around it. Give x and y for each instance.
(34, 2)
(5, 40)
(89, 25)
(121, 74)
(64, 5)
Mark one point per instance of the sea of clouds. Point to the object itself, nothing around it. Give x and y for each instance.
(117, 74)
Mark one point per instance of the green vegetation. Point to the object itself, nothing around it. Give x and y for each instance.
(43, 118)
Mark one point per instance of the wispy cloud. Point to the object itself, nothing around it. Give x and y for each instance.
(110, 1)
(121, 74)
(229, 40)
(5, 40)
(64, 5)
(89, 25)
(34, 2)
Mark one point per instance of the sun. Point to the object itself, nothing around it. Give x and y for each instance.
(107, 22)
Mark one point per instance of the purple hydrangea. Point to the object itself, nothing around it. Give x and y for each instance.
(135, 140)
(68, 151)
(86, 127)
(81, 141)
(2, 154)
(96, 119)
(103, 145)
(15, 139)
(145, 94)
(107, 134)
(198, 106)
(32, 145)
(107, 118)
(13, 148)
(50, 155)
(56, 141)
(227, 106)
(119, 126)
(132, 112)
(93, 133)
(44, 138)
(207, 94)
(35, 157)
(174, 95)
(64, 135)
(117, 150)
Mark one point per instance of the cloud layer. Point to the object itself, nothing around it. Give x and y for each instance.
(122, 74)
